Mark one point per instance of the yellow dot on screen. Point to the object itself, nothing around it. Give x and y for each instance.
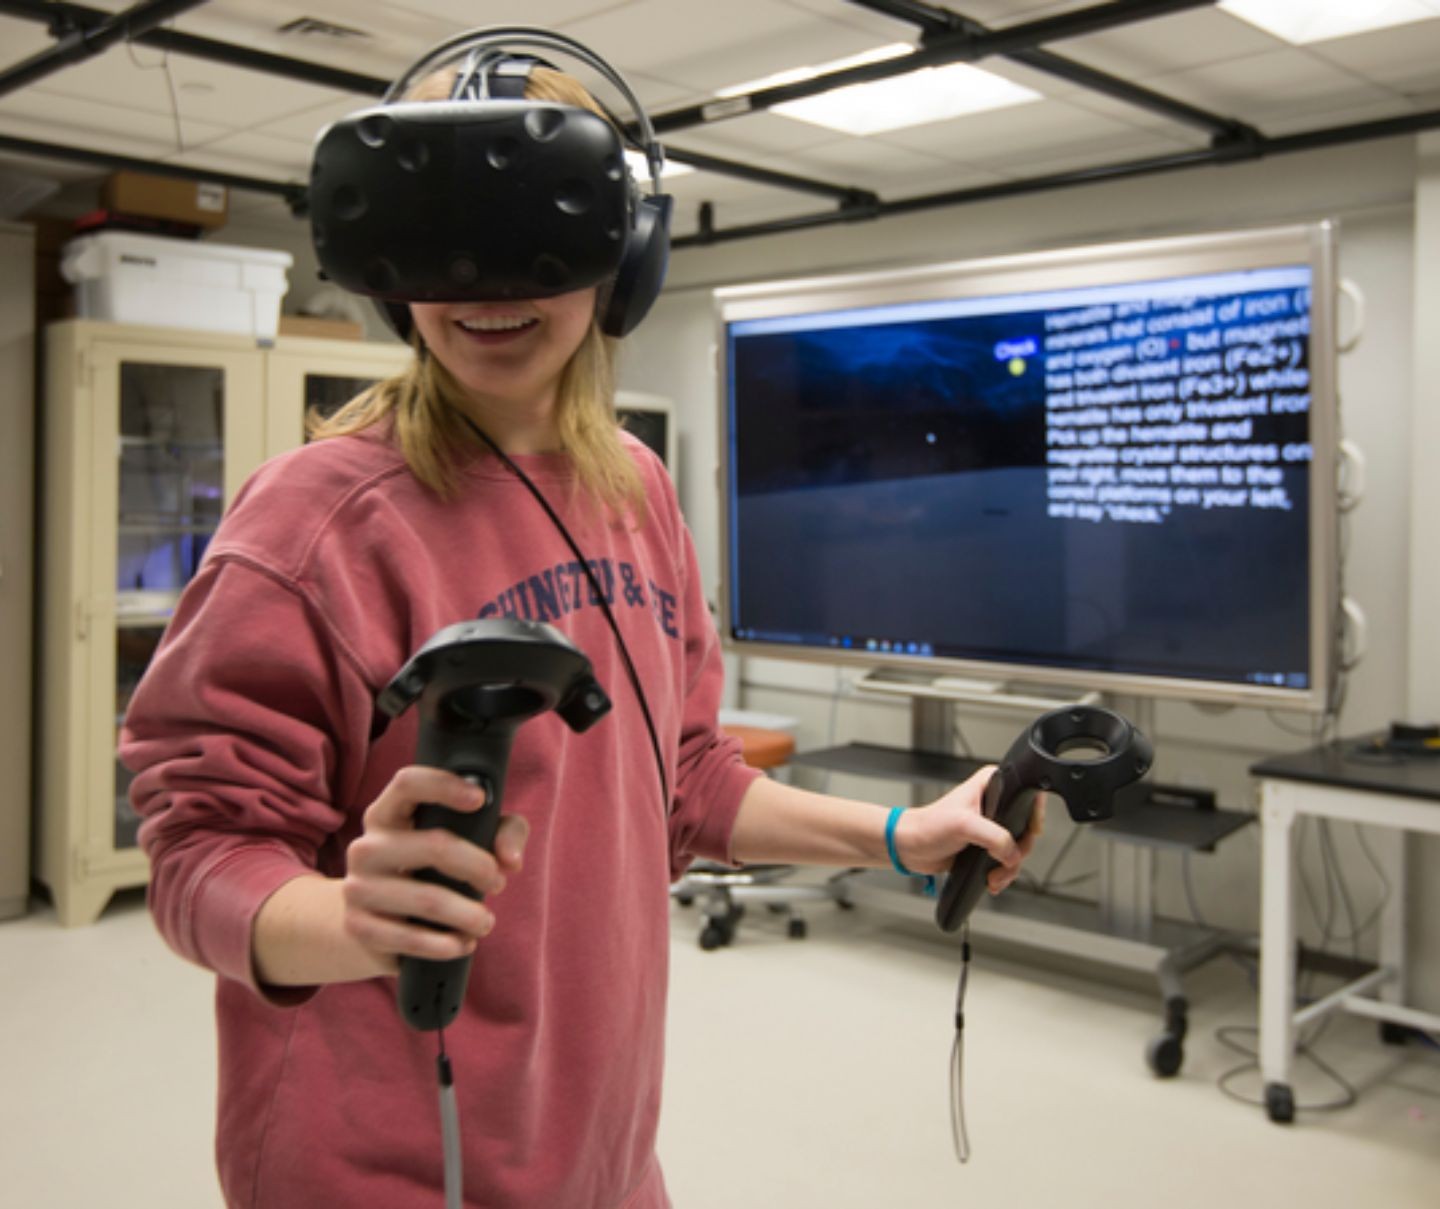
(1017, 366)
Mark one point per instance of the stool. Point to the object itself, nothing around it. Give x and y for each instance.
(724, 890)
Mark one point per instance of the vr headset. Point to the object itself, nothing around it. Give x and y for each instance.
(488, 196)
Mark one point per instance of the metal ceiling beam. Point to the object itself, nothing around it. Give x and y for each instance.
(77, 45)
(1264, 148)
(956, 46)
(61, 16)
(64, 18)
(936, 22)
(846, 194)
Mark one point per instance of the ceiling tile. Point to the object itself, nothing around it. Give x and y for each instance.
(1321, 117)
(304, 125)
(247, 154)
(461, 15)
(140, 78)
(1005, 134)
(95, 126)
(1282, 81)
(22, 39)
(1165, 45)
(867, 163)
(711, 45)
(752, 135)
(1405, 59)
(1136, 118)
(390, 36)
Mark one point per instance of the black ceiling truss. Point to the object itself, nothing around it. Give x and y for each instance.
(944, 37)
(938, 23)
(77, 22)
(74, 45)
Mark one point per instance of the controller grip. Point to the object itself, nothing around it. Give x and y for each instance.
(965, 885)
(431, 992)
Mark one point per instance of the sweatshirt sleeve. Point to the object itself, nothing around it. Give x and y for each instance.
(236, 738)
(711, 777)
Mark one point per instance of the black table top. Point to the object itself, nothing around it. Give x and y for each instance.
(1355, 763)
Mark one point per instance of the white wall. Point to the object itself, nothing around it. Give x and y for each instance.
(1372, 190)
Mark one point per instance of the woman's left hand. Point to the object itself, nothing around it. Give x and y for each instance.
(928, 839)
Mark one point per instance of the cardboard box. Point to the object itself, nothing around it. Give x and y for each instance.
(201, 203)
(326, 329)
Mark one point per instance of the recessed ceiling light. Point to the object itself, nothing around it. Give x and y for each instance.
(931, 94)
(1303, 21)
(640, 169)
(795, 74)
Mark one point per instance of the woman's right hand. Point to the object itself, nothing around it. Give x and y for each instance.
(382, 897)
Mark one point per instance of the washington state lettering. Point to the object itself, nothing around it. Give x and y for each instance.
(564, 588)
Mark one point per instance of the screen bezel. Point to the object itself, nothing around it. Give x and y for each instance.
(1311, 244)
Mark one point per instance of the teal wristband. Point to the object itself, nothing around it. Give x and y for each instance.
(895, 861)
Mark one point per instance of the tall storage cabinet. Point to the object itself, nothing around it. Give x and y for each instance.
(149, 434)
(17, 457)
(305, 375)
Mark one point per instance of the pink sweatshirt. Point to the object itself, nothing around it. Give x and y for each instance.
(254, 742)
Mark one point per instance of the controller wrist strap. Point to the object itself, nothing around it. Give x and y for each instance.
(450, 1130)
(958, 1132)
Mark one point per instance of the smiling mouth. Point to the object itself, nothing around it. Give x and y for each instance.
(496, 325)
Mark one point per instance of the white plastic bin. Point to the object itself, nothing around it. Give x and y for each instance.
(177, 283)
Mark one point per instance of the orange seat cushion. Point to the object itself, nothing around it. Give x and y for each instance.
(762, 748)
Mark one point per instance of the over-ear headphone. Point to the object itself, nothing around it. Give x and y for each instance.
(487, 195)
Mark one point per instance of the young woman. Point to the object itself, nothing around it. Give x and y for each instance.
(278, 809)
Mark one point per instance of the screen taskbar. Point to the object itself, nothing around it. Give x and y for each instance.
(889, 647)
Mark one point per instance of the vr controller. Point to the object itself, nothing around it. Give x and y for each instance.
(1083, 754)
(476, 682)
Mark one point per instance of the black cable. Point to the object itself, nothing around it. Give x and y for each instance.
(1347, 1096)
(599, 595)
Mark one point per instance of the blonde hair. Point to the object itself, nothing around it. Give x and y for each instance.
(424, 403)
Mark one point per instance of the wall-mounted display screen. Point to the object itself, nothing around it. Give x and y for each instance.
(1111, 467)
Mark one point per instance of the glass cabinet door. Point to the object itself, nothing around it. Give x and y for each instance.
(325, 394)
(171, 453)
(308, 380)
(180, 444)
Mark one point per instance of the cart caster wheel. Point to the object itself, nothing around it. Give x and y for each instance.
(1165, 1054)
(714, 936)
(1177, 1022)
(1279, 1103)
(797, 929)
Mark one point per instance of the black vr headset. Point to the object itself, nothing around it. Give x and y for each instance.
(488, 196)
